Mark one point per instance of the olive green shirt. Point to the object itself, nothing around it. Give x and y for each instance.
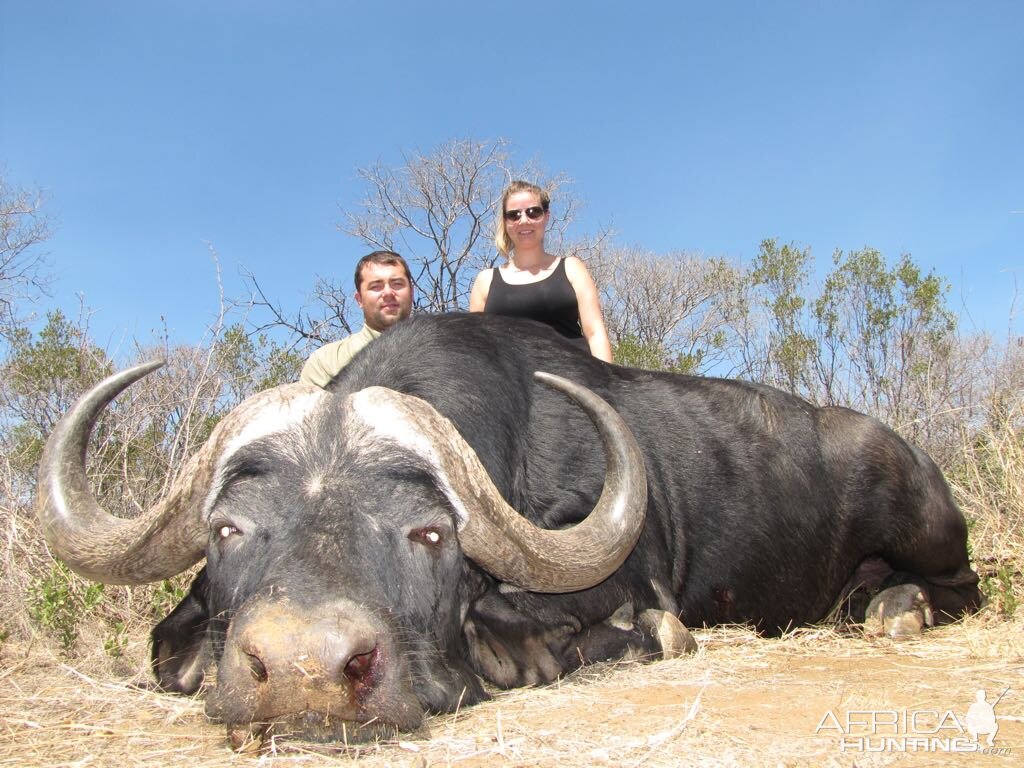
(324, 364)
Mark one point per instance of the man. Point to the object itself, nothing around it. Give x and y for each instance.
(384, 292)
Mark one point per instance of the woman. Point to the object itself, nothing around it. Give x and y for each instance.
(534, 283)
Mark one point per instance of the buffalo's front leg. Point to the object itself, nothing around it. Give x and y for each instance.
(653, 634)
(512, 650)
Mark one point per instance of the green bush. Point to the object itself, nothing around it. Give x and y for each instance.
(998, 589)
(116, 643)
(59, 601)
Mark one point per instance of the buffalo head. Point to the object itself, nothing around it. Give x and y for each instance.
(344, 537)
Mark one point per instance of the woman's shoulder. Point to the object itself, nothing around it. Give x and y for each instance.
(575, 268)
(483, 277)
(479, 291)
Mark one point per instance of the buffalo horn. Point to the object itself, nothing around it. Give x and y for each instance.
(162, 541)
(491, 532)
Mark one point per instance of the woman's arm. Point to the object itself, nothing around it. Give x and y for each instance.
(478, 294)
(589, 305)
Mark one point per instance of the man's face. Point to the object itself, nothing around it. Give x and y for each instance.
(384, 294)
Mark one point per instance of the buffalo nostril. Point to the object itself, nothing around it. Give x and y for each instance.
(360, 667)
(257, 668)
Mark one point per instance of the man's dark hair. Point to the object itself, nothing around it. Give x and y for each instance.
(381, 257)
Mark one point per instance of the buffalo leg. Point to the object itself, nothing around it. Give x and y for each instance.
(908, 603)
(899, 512)
(509, 649)
(901, 603)
(902, 610)
(934, 563)
(654, 634)
(181, 648)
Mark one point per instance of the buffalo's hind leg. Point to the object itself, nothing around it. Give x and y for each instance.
(903, 603)
(906, 517)
(928, 578)
(902, 610)
(932, 580)
(907, 603)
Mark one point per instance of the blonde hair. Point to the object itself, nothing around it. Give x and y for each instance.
(501, 238)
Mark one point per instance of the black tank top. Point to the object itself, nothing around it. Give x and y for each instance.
(551, 300)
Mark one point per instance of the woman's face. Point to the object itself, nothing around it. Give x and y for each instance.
(525, 233)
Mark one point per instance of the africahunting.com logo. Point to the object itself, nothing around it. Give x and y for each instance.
(917, 730)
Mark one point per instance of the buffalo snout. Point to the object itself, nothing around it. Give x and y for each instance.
(320, 673)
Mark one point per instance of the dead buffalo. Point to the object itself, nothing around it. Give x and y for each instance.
(444, 513)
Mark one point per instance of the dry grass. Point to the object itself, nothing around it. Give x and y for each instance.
(741, 700)
(988, 481)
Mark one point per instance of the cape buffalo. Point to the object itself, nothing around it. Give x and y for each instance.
(440, 516)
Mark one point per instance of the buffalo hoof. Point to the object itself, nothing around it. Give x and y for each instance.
(900, 611)
(675, 639)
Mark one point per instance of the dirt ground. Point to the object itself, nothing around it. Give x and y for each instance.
(815, 698)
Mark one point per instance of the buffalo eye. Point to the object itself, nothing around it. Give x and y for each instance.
(225, 534)
(430, 537)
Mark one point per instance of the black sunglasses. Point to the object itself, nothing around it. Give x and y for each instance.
(533, 213)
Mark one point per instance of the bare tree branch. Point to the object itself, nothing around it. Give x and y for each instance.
(23, 228)
(673, 303)
(437, 208)
(327, 321)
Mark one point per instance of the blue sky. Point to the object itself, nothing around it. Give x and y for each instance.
(160, 130)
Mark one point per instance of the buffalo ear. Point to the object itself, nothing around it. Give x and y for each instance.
(180, 643)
